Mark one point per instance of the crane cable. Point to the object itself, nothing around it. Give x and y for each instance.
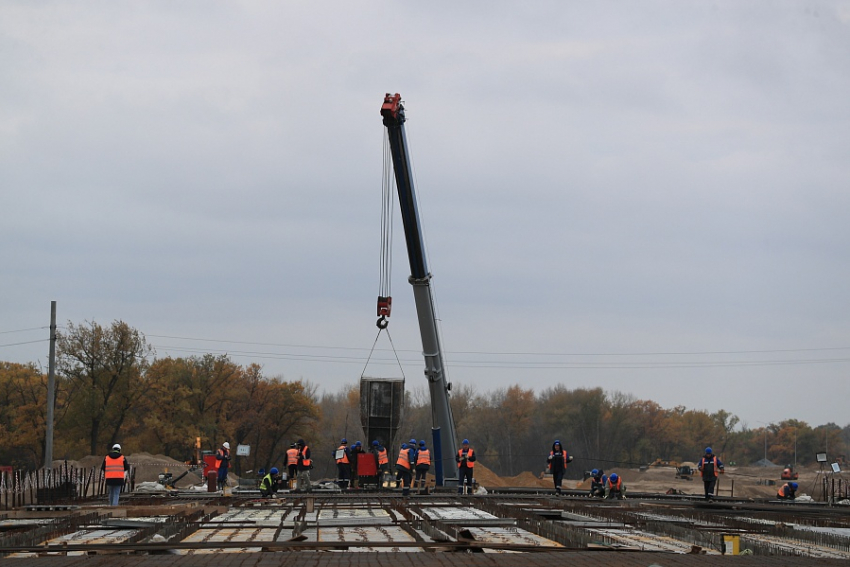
(386, 260)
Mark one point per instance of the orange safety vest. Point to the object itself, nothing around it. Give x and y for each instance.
(781, 492)
(423, 457)
(291, 457)
(383, 459)
(304, 460)
(114, 467)
(344, 459)
(223, 452)
(702, 463)
(469, 463)
(618, 485)
(552, 454)
(404, 458)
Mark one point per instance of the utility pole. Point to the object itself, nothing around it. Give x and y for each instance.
(51, 389)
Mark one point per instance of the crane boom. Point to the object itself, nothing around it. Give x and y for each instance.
(420, 278)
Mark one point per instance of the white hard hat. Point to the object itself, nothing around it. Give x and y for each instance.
(226, 445)
(116, 447)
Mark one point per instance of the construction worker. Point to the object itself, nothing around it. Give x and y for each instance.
(291, 464)
(710, 467)
(356, 451)
(597, 483)
(423, 464)
(305, 463)
(343, 464)
(615, 488)
(413, 449)
(788, 491)
(403, 467)
(269, 484)
(222, 463)
(557, 462)
(383, 460)
(465, 463)
(115, 468)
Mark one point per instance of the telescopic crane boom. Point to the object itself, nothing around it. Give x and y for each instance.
(420, 278)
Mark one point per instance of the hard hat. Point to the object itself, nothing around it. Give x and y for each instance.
(594, 472)
(413, 441)
(292, 446)
(614, 477)
(344, 441)
(422, 443)
(708, 450)
(404, 445)
(465, 442)
(116, 447)
(375, 443)
(794, 485)
(357, 444)
(301, 442)
(226, 445)
(557, 442)
(274, 471)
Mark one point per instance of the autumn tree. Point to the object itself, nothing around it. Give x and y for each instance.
(103, 367)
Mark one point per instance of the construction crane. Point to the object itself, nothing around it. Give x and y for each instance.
(445, 440)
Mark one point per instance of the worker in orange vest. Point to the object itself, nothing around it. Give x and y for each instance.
(383, 460)
(403, 467)
(222, 463)
(465, 463)
(423, 465)
(115, 468)
(710, 467)
(305, 464)
(557, 462)
(343, 464)
(788, 491)
(615, 488)
(291, 464)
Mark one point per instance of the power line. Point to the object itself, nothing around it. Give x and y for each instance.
(517, 353)
(22, 330)
(25, 343)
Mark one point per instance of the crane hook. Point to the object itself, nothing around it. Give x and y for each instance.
(382, 323)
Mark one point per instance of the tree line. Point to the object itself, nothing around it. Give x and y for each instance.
(111, 388)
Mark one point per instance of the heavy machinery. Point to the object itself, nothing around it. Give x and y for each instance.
(445, 439)
(788, 473)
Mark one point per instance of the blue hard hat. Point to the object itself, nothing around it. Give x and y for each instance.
(557, 442)
(375, 443)
(404, 445)
(422, 443)
(412, 441)
(274, 470)
(262, 472)
(465, 442)
(708, 450)
(794, 485)
(614, 477)
(594, 472)
(357, 444)
(344, 441)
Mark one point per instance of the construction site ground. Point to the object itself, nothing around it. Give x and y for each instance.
(514, 521)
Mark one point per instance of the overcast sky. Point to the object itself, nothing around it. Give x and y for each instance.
(650, 197)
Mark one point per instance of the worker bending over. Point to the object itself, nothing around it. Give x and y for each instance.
(270, 482)
(788, 491)
(710, 467)
(597, 483)
(403, 467)
(615, 488)
(465, 464)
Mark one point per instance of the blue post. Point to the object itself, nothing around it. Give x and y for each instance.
(438, 461)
